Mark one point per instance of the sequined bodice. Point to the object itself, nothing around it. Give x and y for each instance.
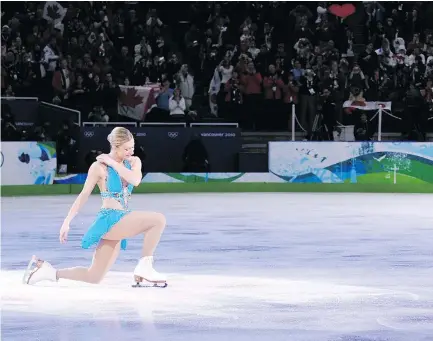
(115, 187)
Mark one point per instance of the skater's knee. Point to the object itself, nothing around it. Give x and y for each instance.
(94, 277)
(157, 220)
(160, 220)
(152, 220)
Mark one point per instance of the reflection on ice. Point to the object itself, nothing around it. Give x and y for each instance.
(238, 302)
(241, 267)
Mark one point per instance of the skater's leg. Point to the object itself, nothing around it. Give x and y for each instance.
(104, 257)
(150, 223)
(151, 241)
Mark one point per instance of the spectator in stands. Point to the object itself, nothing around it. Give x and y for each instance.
(233, 90)
(368, 59)
(357, 79)
(66, 148)
(50, 57)
(428, 91)
(329, 122)
(141, 71)
(172, 68)
(363, 129)
(290, 97)
(110, 92)
(96, 91)
(226, 70)
(98, 114)
(263, 59)
(41, 133)
(177, 105)
(142, 50)
(253, 50)
(214, 93)
(297, 71)
(79, 94)
(252, 85)
(223, 73)
(63, 79)
(308, 91)
(9, 130)
(124, 63)
(415, 114)
(164, 96)
(378, 83)
(185, 82)
(273, 85)
(192, 38)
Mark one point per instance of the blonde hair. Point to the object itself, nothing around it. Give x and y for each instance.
(119, 136)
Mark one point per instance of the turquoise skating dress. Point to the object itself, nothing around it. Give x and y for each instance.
(108, 217)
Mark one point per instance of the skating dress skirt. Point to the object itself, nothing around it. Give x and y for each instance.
(108, 217)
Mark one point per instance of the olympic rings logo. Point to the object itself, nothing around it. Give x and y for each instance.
(89, 133)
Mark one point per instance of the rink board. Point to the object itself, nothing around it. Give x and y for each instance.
(215, 187)
(28, 163)
(370, 162)
(374, 167)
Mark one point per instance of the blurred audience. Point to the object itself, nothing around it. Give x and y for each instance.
(245, 62)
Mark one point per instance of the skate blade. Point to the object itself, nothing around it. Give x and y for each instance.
(150, 285)
(147, 284)
(29, 269)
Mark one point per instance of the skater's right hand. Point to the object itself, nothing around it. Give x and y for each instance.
(63, 235)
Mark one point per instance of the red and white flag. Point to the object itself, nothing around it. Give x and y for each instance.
(135, 101)
(54, 12)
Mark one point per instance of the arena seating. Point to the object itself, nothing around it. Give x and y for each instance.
(138, 63)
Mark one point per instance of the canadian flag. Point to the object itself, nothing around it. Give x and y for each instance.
(135, 101)
(54, 12)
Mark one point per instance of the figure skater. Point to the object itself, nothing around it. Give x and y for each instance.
(115, 174)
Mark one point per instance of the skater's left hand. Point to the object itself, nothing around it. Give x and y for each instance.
(63, 234)
(106, 159)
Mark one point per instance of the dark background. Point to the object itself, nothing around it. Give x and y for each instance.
(161, 148)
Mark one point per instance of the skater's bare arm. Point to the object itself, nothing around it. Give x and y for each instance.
(93, 176)
(133, 175)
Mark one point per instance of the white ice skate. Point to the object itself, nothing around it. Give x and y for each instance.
(144, 272)
(39, 270)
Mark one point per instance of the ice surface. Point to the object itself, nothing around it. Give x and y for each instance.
(292, 267)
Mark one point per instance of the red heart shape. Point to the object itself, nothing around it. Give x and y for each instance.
(342, 11)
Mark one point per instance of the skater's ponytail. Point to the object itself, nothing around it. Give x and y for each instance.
(119, 136)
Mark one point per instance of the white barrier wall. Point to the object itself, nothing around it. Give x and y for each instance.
(352, 162)
(28, 163)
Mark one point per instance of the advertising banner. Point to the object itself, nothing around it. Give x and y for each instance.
(164, 149)
(220, 178)
(352, 162)
(223, 145)
(28, 163)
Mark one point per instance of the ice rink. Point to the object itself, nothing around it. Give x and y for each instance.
(292, 267)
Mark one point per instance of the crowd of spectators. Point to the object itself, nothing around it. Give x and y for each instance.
(246, 62)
